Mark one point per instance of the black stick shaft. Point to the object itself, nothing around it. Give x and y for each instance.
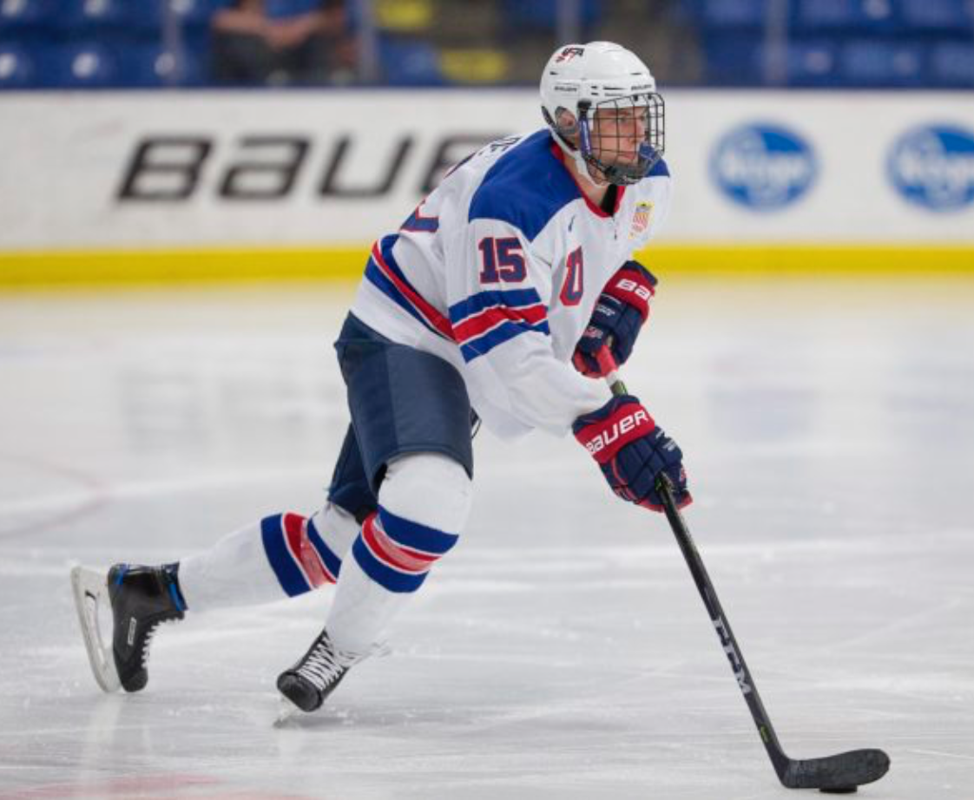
(745, 681)
(728, 642)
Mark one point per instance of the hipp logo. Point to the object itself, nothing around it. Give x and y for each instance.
(934, 167)
(764, 167)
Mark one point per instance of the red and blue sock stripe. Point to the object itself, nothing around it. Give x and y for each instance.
(398, 553)
(298, 555)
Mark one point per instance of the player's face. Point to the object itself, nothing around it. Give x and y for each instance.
(618, 132)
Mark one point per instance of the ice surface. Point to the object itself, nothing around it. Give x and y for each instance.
(560, 651)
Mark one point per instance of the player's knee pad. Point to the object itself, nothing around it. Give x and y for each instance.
(423, 505)
(428, 488)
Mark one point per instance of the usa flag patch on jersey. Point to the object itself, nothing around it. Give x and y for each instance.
(640, 219)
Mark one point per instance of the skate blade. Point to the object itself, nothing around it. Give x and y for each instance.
(91, 594)
(287, 713)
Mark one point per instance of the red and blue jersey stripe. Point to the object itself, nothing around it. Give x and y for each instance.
(487, 319)
(384, 273)
(478, 324)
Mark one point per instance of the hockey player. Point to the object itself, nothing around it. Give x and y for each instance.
(508, 294)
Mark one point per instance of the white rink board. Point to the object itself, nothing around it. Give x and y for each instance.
(66, 158)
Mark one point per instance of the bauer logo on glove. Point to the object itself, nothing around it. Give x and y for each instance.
(632, 451)
(620, 428)
(627, 286)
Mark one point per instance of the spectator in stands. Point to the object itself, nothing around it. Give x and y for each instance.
(280, 42)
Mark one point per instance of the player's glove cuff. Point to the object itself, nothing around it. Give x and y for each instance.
(634, 285)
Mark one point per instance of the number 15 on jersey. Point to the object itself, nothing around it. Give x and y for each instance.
(502, 260)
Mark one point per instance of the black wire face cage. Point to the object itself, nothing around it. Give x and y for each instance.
(623, 138)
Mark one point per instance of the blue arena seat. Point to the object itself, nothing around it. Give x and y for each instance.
(733, 60)
(951, 65)
(742, 60)
(948, 16)
(150, 14)
(812, 63)
(150, 65)
(845, 16)
(90, 17)
(83, 65)
(146, 15)
(20, 15)
(199, 10)
(132, 15)
(17, 67)
(542, 15)
(727, 14)
(879, 63)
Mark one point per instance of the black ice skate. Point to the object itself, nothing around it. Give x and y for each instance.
(316, 675)
(140, 599)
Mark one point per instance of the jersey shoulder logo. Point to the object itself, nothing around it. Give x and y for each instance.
(641, 218)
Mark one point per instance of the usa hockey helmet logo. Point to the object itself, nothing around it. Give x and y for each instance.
(569, 53)
(933, 167)
(763, 167)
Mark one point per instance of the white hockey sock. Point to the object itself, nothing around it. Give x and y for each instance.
(424, 502)
(282, 555)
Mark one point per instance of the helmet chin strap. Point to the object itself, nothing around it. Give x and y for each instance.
(585, 148)
(582, 167)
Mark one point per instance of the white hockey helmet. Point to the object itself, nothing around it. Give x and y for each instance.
(593, 82)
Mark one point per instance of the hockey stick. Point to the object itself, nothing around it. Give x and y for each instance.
(840, 773)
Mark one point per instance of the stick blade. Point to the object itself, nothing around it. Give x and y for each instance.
(91, 602)
(838, 772)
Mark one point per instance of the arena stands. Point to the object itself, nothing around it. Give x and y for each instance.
(96, 44)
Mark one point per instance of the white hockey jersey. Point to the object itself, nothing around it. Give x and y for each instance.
(498, 271)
